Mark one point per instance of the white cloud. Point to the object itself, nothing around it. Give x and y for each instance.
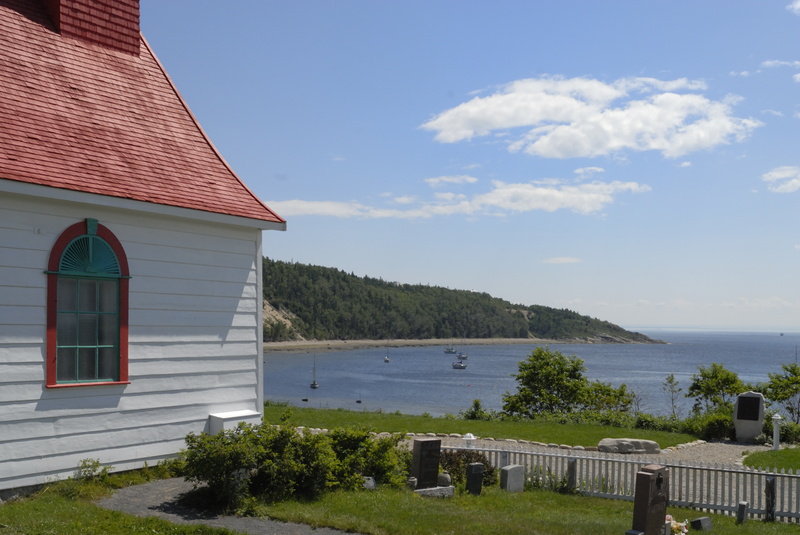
(685, 164)
(562, 260)
(405, 199)
(796, 78)
(579, 117)
(780, 63)
(784, 179)
(583, 198)
(794, 7)
(455, 179)
(504, 198)
(586, 172)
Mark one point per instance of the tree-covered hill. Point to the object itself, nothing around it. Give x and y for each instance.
(313, 302)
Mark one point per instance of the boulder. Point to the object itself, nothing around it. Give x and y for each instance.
(628, 445)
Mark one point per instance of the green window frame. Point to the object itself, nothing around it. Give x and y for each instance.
(87, 308)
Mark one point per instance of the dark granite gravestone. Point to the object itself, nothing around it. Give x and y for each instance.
(425, 462)
(650, 500)
(474, 478)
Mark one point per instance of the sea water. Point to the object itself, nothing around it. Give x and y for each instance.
(420, 380)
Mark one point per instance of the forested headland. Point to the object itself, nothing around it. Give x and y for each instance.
(304, 302)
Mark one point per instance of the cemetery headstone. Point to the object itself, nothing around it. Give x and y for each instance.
(425, 462)
(512, 478)
(748, 416)
(650, 500)
(741, 512)
(474, 478)
(702, 523)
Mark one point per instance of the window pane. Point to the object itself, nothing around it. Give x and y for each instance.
(65, 364)
(108, 364)
(87, 364)
(67, 330)
(87, 329)
(108, 296)
(67, 294)
(87, 295)
(108, 331)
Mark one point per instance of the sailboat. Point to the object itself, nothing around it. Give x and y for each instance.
(314, 383)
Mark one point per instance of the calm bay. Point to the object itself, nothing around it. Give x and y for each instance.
(419, 380)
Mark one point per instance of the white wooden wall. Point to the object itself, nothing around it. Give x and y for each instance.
(194, 343)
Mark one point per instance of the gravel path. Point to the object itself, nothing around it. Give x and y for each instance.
(161, 498)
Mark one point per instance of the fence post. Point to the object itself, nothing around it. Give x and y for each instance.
(572, 474)
(769, 490)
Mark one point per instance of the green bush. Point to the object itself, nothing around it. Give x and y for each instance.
(711, 426)
(669, 424)
(276, 463)
(359, 454)
(455, 463)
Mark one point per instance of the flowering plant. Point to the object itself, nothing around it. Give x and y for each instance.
(677, 527)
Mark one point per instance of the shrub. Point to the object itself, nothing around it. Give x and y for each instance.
(711, 426)
(455, 463)
(276, 463)
(670, 424)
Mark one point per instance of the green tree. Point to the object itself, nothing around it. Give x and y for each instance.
(784, 388)
(602, 397)
(714, 388)
(670, 386)
(549, 382)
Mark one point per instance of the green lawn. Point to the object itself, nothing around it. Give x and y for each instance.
(788, 459)
(66, 508)
(547, 432)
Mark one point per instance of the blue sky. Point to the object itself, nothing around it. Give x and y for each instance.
(637, 162)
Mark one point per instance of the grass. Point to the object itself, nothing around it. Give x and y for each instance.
(785, 459)
(394, 512)
(547, 432)
(67, 508)
(55, 510)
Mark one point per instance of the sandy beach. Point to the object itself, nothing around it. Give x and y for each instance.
(342, 345)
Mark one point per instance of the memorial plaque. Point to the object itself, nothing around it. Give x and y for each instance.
(748, 416)
(749, 408)
(425, 462)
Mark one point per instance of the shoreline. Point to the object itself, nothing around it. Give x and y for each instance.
(297, 346)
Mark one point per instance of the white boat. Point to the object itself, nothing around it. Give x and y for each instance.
(386, 358)
(450, 350)
(462, 356)
(459, 365)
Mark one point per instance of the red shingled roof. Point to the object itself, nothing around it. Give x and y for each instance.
(86, 117)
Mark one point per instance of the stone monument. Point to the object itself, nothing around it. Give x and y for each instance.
(748, 416)
(650, 500)
(425, 462)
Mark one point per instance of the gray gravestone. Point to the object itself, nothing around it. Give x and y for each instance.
(650, 500)
(741, 512)
(512, 478)
(701, 524)
(425, 462)
(748, 416)
(474, 478)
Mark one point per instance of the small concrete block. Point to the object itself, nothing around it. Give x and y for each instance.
(634, 532)
(701, 524)
(437, 492)
(369, 483)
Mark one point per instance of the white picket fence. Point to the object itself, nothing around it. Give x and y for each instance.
(703, 486)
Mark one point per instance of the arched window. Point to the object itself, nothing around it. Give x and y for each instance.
(87, 308)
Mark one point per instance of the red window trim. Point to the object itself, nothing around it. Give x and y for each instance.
(66, 237)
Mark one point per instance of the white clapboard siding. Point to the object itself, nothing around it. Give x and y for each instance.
(194, 337)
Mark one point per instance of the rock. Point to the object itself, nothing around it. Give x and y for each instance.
(628, 445)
